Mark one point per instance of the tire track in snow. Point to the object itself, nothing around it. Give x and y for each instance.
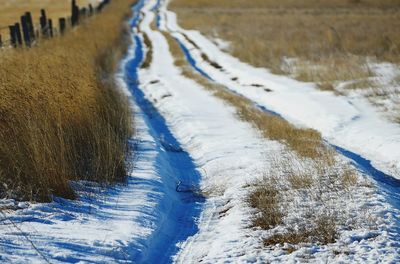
(179, 208)
(229, 151)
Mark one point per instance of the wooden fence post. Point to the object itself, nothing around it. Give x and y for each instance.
(13, 36)
(100, 6)
(50, 25)
(62, 24)
(18, 33)
(30, 25)
(74, 13)
(25, 31)
(43, 22)
(27, 34)
(90, 9)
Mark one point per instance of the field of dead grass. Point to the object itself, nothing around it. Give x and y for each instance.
(61, 115)
(329, 40)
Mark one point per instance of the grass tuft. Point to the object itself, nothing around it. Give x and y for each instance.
(266, 199)
(149, 54)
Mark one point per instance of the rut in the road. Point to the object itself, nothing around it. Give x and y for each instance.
(179, 210)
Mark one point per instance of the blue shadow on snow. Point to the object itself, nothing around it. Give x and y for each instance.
(178, 210)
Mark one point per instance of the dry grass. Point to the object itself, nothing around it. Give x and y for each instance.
(310, 188)
(266, 199)
(324, 232)
(61, 116)
(149, 53)
(329, 70)
(330, 39)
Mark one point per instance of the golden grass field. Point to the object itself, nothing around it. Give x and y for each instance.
(61, 116)
(11, 10)
(331, 38)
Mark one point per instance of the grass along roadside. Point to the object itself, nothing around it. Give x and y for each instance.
(307, 178)
(61, 116)
(325, 42)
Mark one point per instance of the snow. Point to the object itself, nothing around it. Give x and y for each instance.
(351, 123)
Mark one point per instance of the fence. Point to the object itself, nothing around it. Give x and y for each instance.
(24, 32)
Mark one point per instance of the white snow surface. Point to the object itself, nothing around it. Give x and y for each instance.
(351, 123)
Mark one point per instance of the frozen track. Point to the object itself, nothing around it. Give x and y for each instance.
(181, 205)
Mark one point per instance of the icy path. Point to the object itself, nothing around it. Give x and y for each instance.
(229, 152)
(181, 205)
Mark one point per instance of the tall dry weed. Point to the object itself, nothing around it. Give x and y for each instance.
(61, 116)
